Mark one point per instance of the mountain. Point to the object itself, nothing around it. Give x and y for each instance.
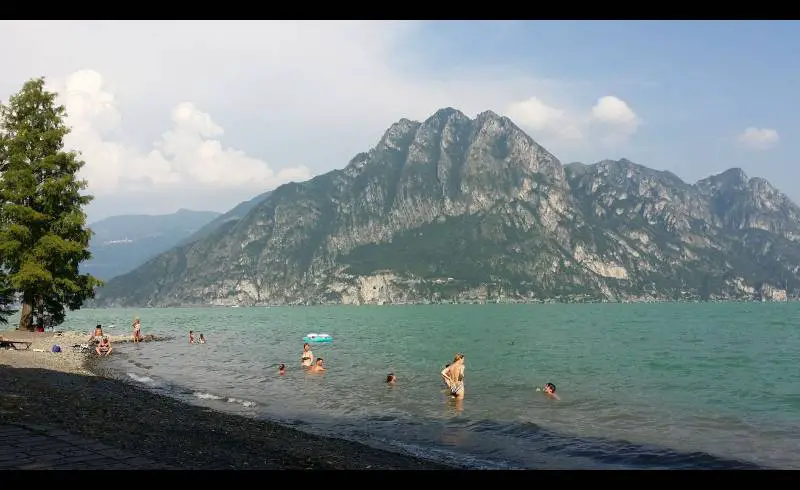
(237, 213)
(460, 209)
(122, 243)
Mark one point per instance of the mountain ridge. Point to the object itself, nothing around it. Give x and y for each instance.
(480, 205)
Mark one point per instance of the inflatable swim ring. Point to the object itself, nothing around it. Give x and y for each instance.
(317, 337)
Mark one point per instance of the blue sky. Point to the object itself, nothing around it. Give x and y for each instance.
(206, 114)
(695, 84)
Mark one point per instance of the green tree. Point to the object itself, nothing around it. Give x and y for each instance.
(6, 298)
(43, 233)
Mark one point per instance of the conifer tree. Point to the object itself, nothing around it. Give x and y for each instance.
(43, 233)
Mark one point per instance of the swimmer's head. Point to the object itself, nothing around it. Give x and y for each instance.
(391, 378)
(305, 346)
(549, 388)
(458, 357)
(281, 367)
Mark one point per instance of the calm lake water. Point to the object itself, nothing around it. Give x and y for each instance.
(641, 385)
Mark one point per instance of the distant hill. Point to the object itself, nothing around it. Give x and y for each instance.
(123, 243)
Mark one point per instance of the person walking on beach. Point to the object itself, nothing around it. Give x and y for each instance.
(453, 376)
(307, 358)
(137, 330)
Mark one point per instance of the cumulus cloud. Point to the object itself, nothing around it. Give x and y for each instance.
(189, 154)
(758, 138)
(297, 94)
(610, 120)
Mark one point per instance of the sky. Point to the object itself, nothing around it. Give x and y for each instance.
(206, 114)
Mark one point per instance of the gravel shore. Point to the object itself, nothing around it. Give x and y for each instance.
(63, 391)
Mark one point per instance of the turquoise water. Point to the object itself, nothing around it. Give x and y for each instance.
(641, 385)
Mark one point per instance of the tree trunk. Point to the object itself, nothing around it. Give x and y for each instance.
(26, 318)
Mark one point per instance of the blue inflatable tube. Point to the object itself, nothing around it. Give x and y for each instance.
(317, 337)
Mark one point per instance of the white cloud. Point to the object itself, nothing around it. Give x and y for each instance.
(533, 114)
(758, 138)
(292, 93)
(610, 121)
(187, 155)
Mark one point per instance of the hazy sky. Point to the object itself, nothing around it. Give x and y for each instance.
(206, 114)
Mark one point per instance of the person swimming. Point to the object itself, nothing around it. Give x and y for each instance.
(391, 378)
(453, 376)
(318, 367)
(281, 369)
(549, 389)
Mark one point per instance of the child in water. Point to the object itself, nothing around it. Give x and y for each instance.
(549, 390)
(281, 369)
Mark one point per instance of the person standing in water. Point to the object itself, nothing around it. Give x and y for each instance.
(137, 330)
(282, 369)
(191, 336)
(453, 376)
(307, 358)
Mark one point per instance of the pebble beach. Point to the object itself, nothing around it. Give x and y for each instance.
(67, 391)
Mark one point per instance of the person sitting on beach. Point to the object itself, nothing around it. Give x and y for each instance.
(549, 390)
(307, 358)
(318, 366)
(282, 369)
(391, 379)
(202, 339)
(453, 376)
(191, 337)
(137, 330)
(97, 335)
(104, 347)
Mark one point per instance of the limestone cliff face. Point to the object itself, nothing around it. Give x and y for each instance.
(454, 208)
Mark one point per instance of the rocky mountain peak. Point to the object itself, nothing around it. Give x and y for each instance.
(461, 208)
(398, 135)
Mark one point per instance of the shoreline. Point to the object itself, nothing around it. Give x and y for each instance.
(68, 391)
(542, 302)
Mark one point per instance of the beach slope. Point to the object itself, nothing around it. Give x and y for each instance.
(60, 391)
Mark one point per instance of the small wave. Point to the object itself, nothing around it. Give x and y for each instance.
(210, 396)
(206, 396)
(244, 403)
(141, 379)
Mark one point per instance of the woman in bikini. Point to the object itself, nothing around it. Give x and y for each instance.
(137, 331)
(104, 347)
(307, 358)
(453, 376)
